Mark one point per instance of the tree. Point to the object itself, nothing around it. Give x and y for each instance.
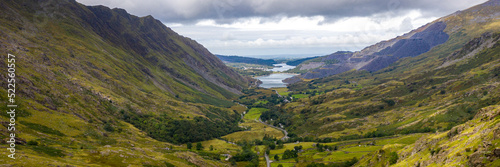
(290, 154)
(280, 165)
(393, 158)
(351, 162)
(276, 157)
(233, 161)
(32, 143)
(211, 148)
(319, 147)
(280, 144)
(108, 127)
(272, 146)
(189, 145)
(199, 146)
(390, 102)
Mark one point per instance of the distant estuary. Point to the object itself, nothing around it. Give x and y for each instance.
(276, 80)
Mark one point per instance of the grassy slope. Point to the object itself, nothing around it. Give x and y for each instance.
(255, 129)
(413, 95)
(254, 113)
(417, 89)
(474, 141)
(346, 150)
(73, 81)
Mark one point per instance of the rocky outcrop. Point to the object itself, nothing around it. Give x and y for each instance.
(382, 54)
(473, 143)
(152, 40)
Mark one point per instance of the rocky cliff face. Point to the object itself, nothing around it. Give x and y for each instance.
(414, 43)
(121, 79)
(473, 143)
(173, 62)
(152, 40)
(382, 54)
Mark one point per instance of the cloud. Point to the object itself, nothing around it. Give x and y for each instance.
(253, 35)
(263, 27)
(230, 10)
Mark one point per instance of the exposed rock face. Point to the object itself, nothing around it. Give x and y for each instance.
(382, 54)
(472, 143)
(154, 46)
(473, 47)
(146, 36)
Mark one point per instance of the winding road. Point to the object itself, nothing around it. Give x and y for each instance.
(268, 163)
(283, 130)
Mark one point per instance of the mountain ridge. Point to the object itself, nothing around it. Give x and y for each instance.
(91, 79)
(385, 53)
(247, 60)
(448, 94)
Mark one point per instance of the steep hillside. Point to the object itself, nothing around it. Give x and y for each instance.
(296, 62)
(475, 143)
(434, 91)
(414, 43)
(95, 84)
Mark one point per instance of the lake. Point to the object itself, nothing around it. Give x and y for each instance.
(281, 67)
(276, 80)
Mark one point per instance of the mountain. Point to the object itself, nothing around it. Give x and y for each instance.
(385, 53)
(449, 83)
(445, 90)
(247, 60)
(95, 85)
(299, 61)
(100, 87)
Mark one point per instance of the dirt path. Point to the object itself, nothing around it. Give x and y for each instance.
(268, 163)
(283, 130)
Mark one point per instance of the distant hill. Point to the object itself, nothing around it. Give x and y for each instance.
(382, 54)
(298, 61)
(247, 60)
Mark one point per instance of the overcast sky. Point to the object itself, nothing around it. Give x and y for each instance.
(289, 27)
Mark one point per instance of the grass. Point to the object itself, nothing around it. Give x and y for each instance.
(220, 146)
(257, 131)
(254, 113)
(362, 148)
(238, 108)
(49, 151)
(42, 128)
(261, 102)
(300, 96)
(406, 139)
(290, 146)
(275, 164)
(282, 91)
(69, 80)
(339, 156)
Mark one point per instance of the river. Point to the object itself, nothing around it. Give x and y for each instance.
(276, 80)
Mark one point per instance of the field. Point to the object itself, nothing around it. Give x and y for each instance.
(300, 96)
(256, 131)
(254, 113)
(282, 91)
(220, 146)
(239, 108)
(347, 150)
